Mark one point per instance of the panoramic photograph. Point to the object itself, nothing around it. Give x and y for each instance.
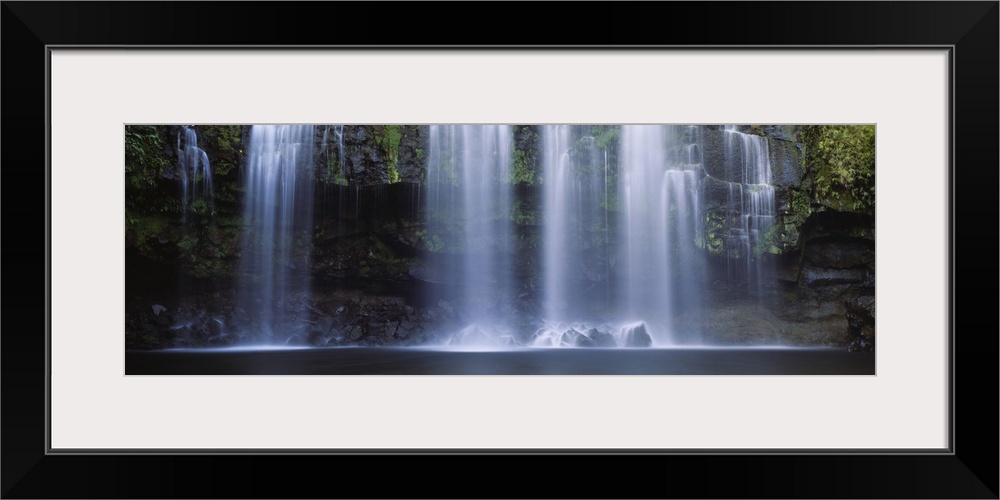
(499, 249)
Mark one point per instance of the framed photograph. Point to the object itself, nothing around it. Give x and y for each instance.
(485, 274)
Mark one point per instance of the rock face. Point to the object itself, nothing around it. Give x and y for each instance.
(840, 253)
(861, 323)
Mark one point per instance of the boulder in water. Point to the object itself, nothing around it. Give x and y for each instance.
(636, 336)
(601, 339)
(574, 338)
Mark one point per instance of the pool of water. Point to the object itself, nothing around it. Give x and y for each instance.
(515, 361)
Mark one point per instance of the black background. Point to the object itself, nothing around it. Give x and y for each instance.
(972, 472)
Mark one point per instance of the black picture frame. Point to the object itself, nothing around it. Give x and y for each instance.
(970, 29)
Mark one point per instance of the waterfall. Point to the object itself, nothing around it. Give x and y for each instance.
(751, 203)
(557, 263)
(195, 173)
(278, 236)
(469, 212)
(660, 277)
(574, 251)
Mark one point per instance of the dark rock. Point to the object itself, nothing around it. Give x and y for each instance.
(412, 154)
(841, 224)
(601, 339)
(782, 132)
(860, 314)
(717, 194)
(636, 336)
(354, 332)
(786, 268)
(840, 253)
(860, 345)
(574, 338)
(825, 276)
(721, 153)
(216, 326)
(786, 164)
(162, 319)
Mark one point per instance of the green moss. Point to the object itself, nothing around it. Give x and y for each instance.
(335, 171)
(199, 206)
(711, 239)
(524, 214)
(767, 243)
(145, 164)
(388, 137)
(523, 171)
(229, 137)
(842, 159)
(432, 243)
(525, 163)
(188, 242)
(605, 136)
(144, 159)
(801, 204)
(140, 230)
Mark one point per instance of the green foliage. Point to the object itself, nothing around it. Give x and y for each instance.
(188, 242)
(199, 206)
(227, 148)
(229, 137)
(715, 227)
(388, 137)
(523, 214)
(334, 171)
(605, 136)
(140, 229)
(432, 243)
(801, 205)
(843, 160)
(525, 168)
(144, 160)
(525, 164)
(767, 243)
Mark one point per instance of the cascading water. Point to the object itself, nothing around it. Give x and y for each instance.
(195, 172)
(278, 236)
(469, 207)
(556, 264)
(751, 203)
(660, 168)
(575, 252)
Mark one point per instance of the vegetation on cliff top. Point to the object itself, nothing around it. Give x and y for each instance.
(842, 158)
